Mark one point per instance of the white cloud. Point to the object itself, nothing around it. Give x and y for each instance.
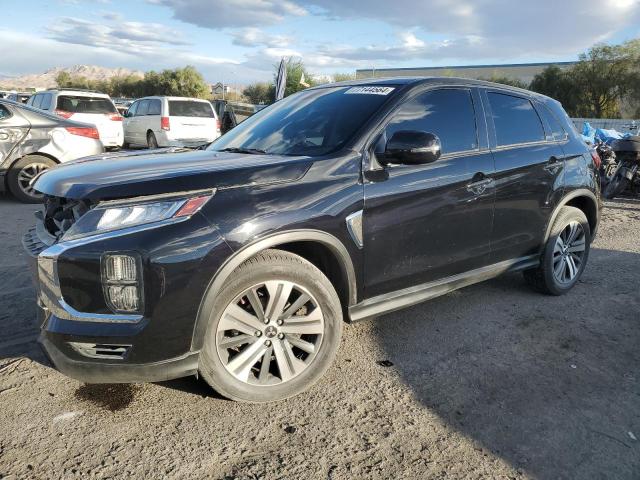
(232, 13)
(128, 37)
(472, 30)
(253, 37)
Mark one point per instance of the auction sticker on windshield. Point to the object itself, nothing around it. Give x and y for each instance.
(370, 90)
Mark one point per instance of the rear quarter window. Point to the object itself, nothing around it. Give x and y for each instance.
(4, 112)
(46, 101)
(79, 104)
(37, 101)
(187, 108)
(515, 120)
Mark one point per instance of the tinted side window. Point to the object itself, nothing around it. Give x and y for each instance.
(448, 113)
(37, 100)
(143, 108)
(155, 107)
(187, 108)
(132, 109)
(4, 112)
(557, 132)
(515, 119)
(46, 101)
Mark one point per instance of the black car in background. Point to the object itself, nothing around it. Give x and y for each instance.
(341, 202)
(32, 141)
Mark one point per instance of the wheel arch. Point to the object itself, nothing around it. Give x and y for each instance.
(581, 199)
(322, 249)
(20, 157)
(35, 152)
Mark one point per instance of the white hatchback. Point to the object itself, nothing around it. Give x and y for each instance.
(170, 122)
(87, 107)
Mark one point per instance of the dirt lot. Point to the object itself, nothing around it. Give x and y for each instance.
(493, 381)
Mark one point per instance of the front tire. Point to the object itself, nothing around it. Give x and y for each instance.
(274, 329)
(23, 172)
(565, 254)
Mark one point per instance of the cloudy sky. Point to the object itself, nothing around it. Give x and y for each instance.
(240, 40)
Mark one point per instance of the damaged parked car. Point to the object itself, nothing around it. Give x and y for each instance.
(241, 262)
(32, 141)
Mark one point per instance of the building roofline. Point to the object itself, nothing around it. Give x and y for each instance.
(465, 67)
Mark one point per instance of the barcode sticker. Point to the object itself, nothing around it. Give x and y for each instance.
(370, 90)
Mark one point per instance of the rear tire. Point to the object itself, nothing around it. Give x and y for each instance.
(565, 254)
(274, 329)
(152, 141)
(22, 172)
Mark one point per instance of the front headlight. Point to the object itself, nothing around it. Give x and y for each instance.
(109, 216)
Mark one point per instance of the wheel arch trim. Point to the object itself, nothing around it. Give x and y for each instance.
(581, 192)
(248, 251)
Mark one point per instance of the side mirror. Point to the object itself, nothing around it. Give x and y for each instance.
(410, 147)
(126, 114)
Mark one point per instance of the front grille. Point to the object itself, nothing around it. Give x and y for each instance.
(61, 213)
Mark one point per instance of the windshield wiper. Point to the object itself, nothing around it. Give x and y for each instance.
(252, 151)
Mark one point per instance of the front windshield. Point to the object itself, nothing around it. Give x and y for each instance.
(312, 122)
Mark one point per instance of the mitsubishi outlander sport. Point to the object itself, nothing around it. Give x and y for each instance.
(241, 262)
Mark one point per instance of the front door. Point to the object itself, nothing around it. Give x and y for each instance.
(426, 222)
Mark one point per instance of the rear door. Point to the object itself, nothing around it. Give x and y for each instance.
(427, 222)
(192, 120)
(529, 174)
(13, 128)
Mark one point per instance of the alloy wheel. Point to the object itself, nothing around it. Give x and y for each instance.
(270, 333)
(27, 174)
(568, 253)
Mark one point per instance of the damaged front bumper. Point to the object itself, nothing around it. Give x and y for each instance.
(88, 342)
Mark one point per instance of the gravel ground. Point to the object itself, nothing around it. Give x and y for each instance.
(493, 381)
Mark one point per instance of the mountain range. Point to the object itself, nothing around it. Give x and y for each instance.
(48, 78)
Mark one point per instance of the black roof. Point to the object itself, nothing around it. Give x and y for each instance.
(445, 81)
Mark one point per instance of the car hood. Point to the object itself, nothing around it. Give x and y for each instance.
(161, 171)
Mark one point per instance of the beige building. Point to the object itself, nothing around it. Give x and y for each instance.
(521, 71)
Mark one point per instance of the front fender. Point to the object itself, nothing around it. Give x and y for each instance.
(248, 251)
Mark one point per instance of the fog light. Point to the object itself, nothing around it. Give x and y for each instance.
(122, 283)
(120, 268)
(123, 298)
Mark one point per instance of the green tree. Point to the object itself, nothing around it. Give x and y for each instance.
(504, 80)
(343, 77)
(259, 92)
(557, 83)
(604, 76)
(63, 79)
(184, 82)
(295, 72)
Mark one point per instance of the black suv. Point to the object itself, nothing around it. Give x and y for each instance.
(342, 202)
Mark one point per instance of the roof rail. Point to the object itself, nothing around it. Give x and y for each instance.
(88, 90)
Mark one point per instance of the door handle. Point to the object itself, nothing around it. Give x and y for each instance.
(4, 136)
(479, 187)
